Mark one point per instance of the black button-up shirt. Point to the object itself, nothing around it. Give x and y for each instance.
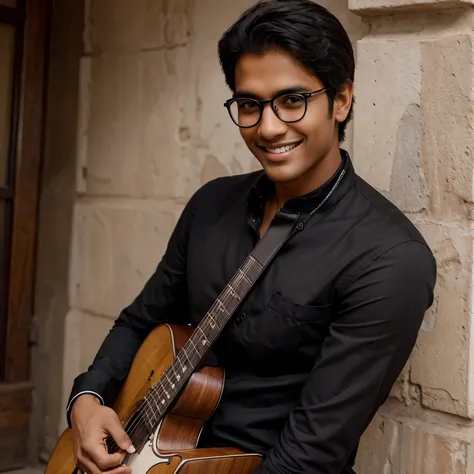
(316, 346)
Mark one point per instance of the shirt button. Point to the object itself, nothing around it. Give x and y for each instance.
(241, 318)
(300, 226)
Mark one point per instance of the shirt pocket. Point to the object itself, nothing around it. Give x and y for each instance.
(284, 338)
(298, 313)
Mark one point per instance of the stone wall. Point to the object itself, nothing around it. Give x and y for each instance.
(152, 129)
(414, 142)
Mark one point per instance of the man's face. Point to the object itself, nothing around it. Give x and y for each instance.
(315, 136)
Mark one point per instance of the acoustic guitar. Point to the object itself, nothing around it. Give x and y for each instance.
(169, 395)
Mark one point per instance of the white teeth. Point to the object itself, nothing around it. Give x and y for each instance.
(282, 149)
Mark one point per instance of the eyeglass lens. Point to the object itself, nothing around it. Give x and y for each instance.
(247, 112)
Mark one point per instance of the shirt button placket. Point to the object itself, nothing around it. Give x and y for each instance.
(241, 318)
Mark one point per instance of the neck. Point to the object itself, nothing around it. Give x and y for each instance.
(309, 181)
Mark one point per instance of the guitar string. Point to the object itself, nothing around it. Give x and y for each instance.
(155, 390)
(242, 275)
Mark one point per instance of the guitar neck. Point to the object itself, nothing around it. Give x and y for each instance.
(166, 390)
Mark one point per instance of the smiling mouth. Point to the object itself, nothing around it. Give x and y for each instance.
(282, 149)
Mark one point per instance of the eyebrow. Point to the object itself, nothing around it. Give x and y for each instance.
(251, 95)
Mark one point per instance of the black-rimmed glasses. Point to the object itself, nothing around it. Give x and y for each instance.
(289, 108)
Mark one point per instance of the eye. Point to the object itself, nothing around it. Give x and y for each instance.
(247, 104)
(293, 99)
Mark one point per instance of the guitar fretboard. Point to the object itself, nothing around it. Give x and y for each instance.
(163, 394)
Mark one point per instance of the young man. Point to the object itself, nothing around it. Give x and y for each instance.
(316, 346)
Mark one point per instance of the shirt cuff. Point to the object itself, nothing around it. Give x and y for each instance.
(94, 382)
(85, 392)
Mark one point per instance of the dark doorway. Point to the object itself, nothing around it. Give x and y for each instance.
(23, 32)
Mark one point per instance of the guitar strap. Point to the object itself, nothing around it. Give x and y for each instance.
(283, 226)
(281, 229)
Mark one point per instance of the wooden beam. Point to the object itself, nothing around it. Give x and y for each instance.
(15, 407)
(27, 171)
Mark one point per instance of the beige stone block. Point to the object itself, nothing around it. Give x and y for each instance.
(71, 363)
(413, 137)
(214, 146)
(130, 141)
(93, 330)
(403, 445)
(404, 391)
(131, 25)
(440, 363)
(447, 114)
(387, 130)
(117, 246)
(381, 7)
(84, 334)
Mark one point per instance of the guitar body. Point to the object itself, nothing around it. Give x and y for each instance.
(171, 447)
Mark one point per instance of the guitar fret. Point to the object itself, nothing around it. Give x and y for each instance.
(158, 394)
(233, 292)
(205, 340)
(195, 348)
(244, 275)
(214, 322)
(172, 385)
(188, 358)
(148, 408)
(160, 387)
(183, 366)
(255, 262)
(176, 370)
(147, 419)
(222, 307)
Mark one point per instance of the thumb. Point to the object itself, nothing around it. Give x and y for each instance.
(119, 435)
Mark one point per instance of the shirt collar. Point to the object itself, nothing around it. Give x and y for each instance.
(263, 188)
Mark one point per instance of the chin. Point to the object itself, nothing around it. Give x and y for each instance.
(281, 174)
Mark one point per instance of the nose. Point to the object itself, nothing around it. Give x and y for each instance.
(270, 125)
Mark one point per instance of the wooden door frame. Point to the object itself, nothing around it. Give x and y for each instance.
(26, 194)
(31, 20)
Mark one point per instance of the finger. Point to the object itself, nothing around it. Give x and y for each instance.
(88, 466)
(96, 452)
(108, 461)
(114, 428)
(121, 470)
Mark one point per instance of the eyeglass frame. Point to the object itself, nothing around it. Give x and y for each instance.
(263, 102)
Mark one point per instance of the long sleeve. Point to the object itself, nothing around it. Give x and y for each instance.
(369, 342)
(162, 300)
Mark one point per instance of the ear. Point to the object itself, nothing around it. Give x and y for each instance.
(343, 102)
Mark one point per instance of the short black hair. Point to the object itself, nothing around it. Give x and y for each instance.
(302, 28)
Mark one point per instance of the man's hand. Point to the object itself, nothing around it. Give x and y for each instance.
(92, 424)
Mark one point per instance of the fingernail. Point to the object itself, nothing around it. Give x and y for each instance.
(131, 449)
